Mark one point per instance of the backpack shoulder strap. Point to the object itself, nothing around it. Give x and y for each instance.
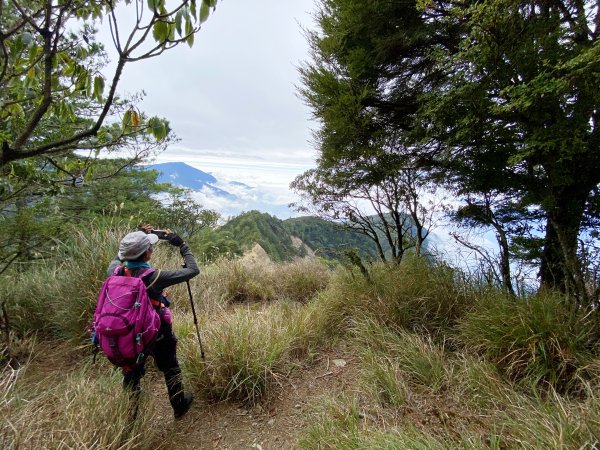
(146, 272)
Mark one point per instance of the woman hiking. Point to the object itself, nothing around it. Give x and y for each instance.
(135, 252)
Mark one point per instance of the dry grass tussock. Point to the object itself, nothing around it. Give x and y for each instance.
(250, 348)
(234, 281)
(399, 402)
(79, 410)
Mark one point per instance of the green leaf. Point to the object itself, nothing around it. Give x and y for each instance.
(152, 4)
(89, 175)
(126, 122)
(160, 31)
(189, 31)
(204, 12)
(158, 128)
(193, 10)
(190, 40)
(98, 87)
(178, 19)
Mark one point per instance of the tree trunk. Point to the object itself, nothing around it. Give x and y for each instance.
(504, 258)
(560, 268)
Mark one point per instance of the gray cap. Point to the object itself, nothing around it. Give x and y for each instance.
(133, 245)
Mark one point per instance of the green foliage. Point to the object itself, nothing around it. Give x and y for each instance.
(214, 243)
(328, 239)
(55, 98)
(493, 99)
(186, 217)
(268, 231)
(58, 113)
(536, 341)
(34, 226)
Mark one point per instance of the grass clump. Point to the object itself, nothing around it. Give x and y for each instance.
(341, 423)
(301, 280)
(237, 281)
(335, 424)
(59, 297)
(478, 385)
(553, 422)
(534, 341)
(416, 295)
(388, 353)
(76, 410)
(248, 349)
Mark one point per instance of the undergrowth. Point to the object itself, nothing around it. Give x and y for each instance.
(80, 409)
(441, 362)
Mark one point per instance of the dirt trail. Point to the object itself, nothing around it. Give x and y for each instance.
(274, 424)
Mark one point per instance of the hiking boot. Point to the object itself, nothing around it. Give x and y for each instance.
(184, 404)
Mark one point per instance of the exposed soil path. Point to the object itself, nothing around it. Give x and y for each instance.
(273, 424)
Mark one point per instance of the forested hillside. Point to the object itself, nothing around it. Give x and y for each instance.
(262, 228)
(328, 239)
(325, 238)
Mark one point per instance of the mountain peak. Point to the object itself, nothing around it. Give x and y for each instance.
(182, 174)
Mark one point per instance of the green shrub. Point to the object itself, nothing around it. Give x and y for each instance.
(535, 340)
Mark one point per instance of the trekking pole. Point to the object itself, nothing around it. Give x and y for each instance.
(195, 317)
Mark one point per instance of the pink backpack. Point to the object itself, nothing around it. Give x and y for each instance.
(125, 322)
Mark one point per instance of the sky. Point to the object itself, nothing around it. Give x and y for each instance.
(232, 97)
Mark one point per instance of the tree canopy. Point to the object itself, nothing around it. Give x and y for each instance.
(492, 100)
(55, 94)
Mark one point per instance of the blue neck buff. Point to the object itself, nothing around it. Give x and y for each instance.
(136, 264)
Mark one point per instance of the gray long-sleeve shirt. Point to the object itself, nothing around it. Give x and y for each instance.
(165, 278)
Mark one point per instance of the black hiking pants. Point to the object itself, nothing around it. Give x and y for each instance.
(165, 358)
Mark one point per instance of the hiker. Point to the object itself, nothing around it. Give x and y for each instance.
(135, 251)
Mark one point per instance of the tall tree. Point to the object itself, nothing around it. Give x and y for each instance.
(384, 205)
(496, 96)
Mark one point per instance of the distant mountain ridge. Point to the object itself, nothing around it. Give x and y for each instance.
(183, 175)
(276, 237)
